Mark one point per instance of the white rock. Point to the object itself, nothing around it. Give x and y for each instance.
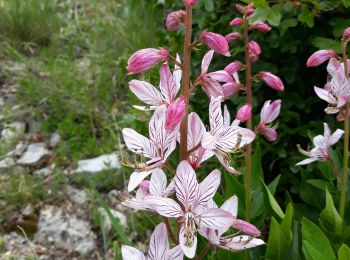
(55, 139)
(65, 231)
(80, 197)
(33, 154)
(7, 163)
(107, 223)
(44, 172)
(98, 164)
(13, 130)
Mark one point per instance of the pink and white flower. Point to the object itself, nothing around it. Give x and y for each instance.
(223, 139)
(322, 143)
(337, 93)
(233, 242)
(194, 198)
(145, 59)
(271, 80)
(169, 87)
(156, 149)
(268, 114)
(158, 249)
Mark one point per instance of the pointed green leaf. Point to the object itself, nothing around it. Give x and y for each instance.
(330, 217)
(344, 253)
(273, 185)
(315, 242)
(273, 203)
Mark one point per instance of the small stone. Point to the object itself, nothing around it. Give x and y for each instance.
(33, 154)
(44, 172)
(6, 163)
(98, 164)
(79, 197)
(12, 131)
(65, 230)
(107, 223)
(55, 139)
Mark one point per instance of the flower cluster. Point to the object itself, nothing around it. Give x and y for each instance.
(336, 92)
(183, 198)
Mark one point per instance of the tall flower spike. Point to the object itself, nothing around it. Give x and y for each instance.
(175, 20)
(268, 114)
(322, 144)
(216, 42)
(145, 59)
(157, 148)
(222, 139)
(319, 57)
(158, 248)
(194, 198)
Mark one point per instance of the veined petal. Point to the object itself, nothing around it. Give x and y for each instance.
(215, 219)
(270, 111)
(325, 95)
(165, 207)
(145, 108)
(211, 87)
(227, 118)
(186, 184)
(215, 115)
(136, 178)
(224, 160)
(335, 136)
(269, 133)
(169, 190)
(231, 205)
(159, 243)
(245, 135)
(246, 227)
(206, 61)
(146, 92)
(196, 130)
(167, 83)
(131, 253)
(221, 76)
(177, 74)
(188, 249)
(228, 139)
(138, 143)
(174, 253)
(208, 187)
(239, 243)
(158, 183)
(210, 234)
(306, 161)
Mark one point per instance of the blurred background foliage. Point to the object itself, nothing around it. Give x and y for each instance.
(75, 54)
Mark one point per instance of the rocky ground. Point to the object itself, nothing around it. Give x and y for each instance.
(62, 223)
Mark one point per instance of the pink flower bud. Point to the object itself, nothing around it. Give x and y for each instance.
(145, 59)
(189, 2)
(319, 57)
(230, 89)
(236, 22)
(246, 227)
(231, 37)
(346, 34)
(262, 27)
(271, 80)
(216, 42)
(174, 114)
(248, 10)
(244, 113)
(233, 67)
(254, 50)
(175, 20)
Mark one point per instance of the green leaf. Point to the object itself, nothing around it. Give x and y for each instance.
(325, 43)
(319, 184)
(280, 237)
(287, 23)
(209, 5)
(273, 185)
(274, 16)
(316, 246)
(273, 203)
(260, 14)
(306, 16)
(329, 216)
(344, 253)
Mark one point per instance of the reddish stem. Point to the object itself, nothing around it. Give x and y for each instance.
(186, 82)
(170, 232)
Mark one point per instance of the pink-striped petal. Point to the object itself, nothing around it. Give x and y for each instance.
(167, 83)
(136, 178)
(159, 244)
(146, 92)
(188, 249)
(215, 219)
(215, 115)
(158, 183)
(186, 184)
(239, 243)
(196, 130)
(131, 253)
(138, 143)
(208, 187)
(206, 61)
(165, 207)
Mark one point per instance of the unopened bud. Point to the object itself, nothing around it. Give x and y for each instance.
(175, 113)
(271, 80)
(231, 37)
(233, 67)
(262, 27)
(346, 34)
(236, 22)
(175, 20)
(189, 2)
(319, 57)
(145, 59)
(244, 113)
(216, 42)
